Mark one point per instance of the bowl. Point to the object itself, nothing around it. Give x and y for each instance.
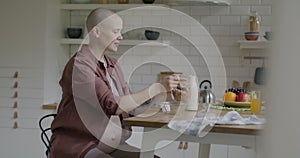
(151, 35)
(148, 1)
(74, 32)
(251, 36)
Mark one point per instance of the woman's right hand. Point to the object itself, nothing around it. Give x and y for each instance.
(171, 82)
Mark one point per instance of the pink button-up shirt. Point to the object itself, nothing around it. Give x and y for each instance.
(87, 104)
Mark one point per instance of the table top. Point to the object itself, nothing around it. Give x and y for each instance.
(155, 118)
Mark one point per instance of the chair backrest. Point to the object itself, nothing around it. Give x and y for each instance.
(44, 137)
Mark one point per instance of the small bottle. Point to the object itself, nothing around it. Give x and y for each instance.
(254, 22)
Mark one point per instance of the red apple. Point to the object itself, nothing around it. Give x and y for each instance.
(243, 97)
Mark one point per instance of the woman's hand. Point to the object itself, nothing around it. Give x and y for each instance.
(171, 82)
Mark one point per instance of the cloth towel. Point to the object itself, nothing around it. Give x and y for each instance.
(196, 125)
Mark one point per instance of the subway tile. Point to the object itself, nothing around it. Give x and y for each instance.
(133, 20)
(143, 69)
(232, 61)
(239, 71)
(250, 2)
(245, 20)
(266, 2)
(219, 10)
(183, 9)
(235, 2)
(170, 20)
(157, 68)
(210, 20)
(240, 10)
(199, 10)
(194, 60)
(152, 20)
(220, 30)
(262, 10)
(229, 41)
(230, 20)
(147, 79)
(238, 30)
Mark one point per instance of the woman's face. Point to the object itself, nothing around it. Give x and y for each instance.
(110, 33)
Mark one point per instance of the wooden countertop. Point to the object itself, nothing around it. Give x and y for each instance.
(158, 119)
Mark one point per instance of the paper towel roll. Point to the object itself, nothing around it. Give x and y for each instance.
(192, 103)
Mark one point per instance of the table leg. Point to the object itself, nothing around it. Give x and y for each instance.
(204, 150)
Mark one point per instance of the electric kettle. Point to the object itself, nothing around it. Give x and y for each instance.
(206, 95)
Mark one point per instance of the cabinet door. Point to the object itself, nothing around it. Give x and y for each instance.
(238, 152)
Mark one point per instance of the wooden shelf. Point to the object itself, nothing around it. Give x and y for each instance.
(260, 44)
(107, 6)
(123, 42)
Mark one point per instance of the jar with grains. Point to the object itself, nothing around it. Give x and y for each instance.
(254, 22)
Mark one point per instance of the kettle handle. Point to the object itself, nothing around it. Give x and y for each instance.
(208, 81)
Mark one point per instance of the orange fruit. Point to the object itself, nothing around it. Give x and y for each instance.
(229, 96)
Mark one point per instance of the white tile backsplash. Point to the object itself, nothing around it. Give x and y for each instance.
(263, 9)
(240, 10)
(219, 10)
(250, 2)
(230, 20)
(226, 24)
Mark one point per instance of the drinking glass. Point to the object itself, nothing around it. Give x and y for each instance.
(255, 103)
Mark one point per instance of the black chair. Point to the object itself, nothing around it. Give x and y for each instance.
(44, 137)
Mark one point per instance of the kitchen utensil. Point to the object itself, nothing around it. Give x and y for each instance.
(206, 95)
(260, 75)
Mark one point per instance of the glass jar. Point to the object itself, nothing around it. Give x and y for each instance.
(254, 22)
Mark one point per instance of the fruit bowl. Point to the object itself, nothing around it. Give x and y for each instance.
(251, 36)
(237, 104)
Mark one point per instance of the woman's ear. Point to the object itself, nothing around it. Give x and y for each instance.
(96, 32)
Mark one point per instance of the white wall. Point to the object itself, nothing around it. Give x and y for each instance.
(23, 44)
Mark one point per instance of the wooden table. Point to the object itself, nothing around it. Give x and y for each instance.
(156, 130)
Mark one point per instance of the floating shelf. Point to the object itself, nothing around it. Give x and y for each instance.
(123, 42)
(260, 44)
(107, 6)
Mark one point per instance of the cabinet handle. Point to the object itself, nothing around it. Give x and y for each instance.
(15, 125)
(15, 95)
(180, 146)
(15, 105)
(16, 84)
(16, 74)
(15, 115)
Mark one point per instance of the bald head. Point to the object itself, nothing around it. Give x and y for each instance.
(97, 16)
